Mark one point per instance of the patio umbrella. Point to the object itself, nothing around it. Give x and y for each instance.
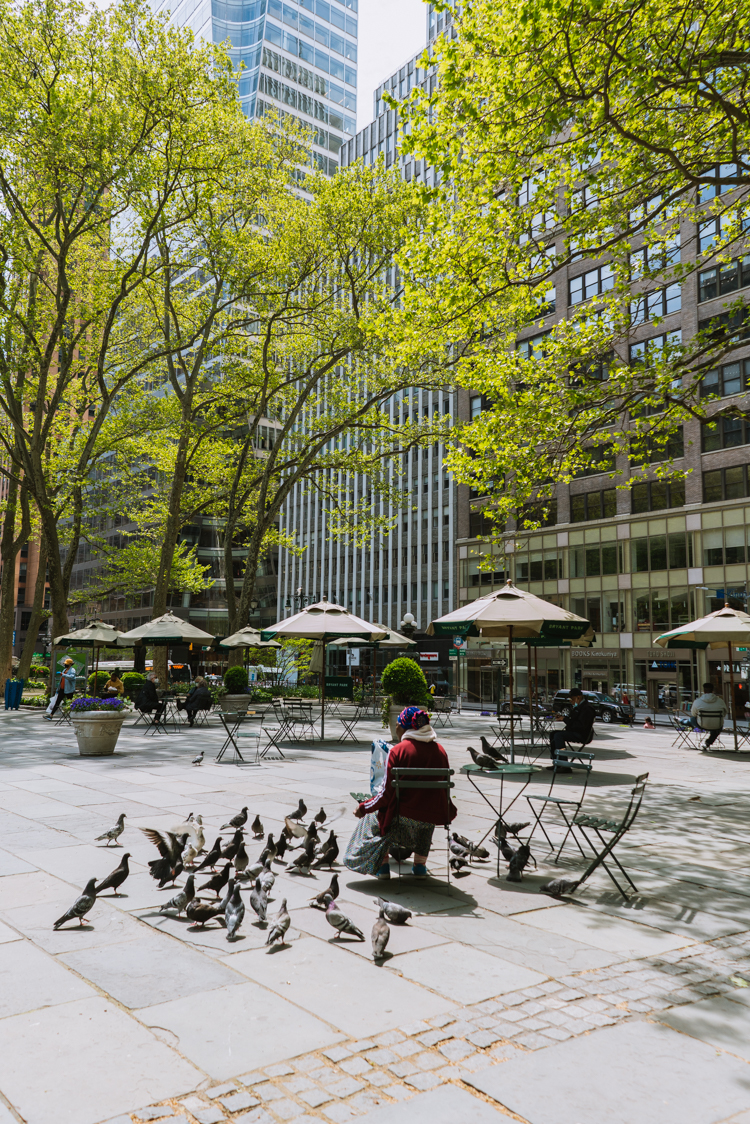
(324, 622)
(721, 629)
(393, 640)
(513, 614)
(96, 635)
(248, 637)
(166, 631)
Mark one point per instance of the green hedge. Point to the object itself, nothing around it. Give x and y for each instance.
(95, 682)
(235, 680)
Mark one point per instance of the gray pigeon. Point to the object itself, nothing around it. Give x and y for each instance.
(481, 759)
(380, 937)
(115, 832)
(238, 821)
(201, 912)
(396, 914)
(114, 880)
(279, 926)
(199, 759)
(320, 901)
(240, 859)
(321, 816)
(258, 900)
(234, 912)
(269, 851)
(80, 906)
(227, 897)
(459, 850)
(301, 864)
(559, 886)
(267, 878)
(257, 828)
(490, 750)
(519, 862)
(328, 854)
(300, 812)
(183, 897)
(341, 922)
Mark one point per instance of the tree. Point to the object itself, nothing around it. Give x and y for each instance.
(578, 143)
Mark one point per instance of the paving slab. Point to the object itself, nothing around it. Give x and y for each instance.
(722, 1023)
(12, 864)
(29, 889)
(404, 938)
(634, 1073)
(464, 974)
(230, 1030)
(97, 1061)
(150, 969)
(345, 990)
(446, 1105)
(102, 925)
(613, 934)
(30, 978)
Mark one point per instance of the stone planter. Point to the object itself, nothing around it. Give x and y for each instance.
(97, 732)
(234, 702)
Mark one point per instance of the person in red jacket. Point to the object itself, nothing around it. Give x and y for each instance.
(420, 809)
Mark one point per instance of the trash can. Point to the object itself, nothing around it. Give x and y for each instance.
(13, 692)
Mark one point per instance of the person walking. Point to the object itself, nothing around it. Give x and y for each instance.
(148, 701)
(65, 688)
(419, 810)
(578, 726)
(707, 713)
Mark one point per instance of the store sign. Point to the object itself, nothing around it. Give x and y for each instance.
(666, 654)
(595, 653)
(429, 657)
(663, 665)
(352, 657)
(459, 642)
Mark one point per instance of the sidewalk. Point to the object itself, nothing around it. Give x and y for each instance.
(496, 1000)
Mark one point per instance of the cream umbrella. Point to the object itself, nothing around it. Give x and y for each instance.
(393, 640)
(513, 614)
(248, 637)
(324, 622)
(166, 631)
(721, 629)
(96, 635)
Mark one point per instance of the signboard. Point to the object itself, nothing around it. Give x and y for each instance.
(429, 657)
(663, 665)
(595, 653)
(79, 663)
(339, 686)
(459, 642)
(352, 657)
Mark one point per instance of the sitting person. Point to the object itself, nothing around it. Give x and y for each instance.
(578, 726)
(712, 720)
(198, 698)
(419, 811)
(148, 701)
(114, 685)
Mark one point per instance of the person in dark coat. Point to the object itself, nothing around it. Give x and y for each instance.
(148, 701)
(198, 698)
(578, 725)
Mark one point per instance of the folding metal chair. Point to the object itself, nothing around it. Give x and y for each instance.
(440, 779)
(282, 717)
(349, 721)
(591, 825)
(300, 714)
(441, 709)
(578, 761)
(684, 735)
(708, 717)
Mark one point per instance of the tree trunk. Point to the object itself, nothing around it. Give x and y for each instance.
(37, 613)
(171, 534)
(10, 544)
(58, 590)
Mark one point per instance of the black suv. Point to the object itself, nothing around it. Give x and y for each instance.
(605, 706)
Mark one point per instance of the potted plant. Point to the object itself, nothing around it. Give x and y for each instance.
(97, 724)
(404, 684)
(237, 694)
(132, 681)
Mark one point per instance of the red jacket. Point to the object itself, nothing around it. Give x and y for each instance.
(425, 805)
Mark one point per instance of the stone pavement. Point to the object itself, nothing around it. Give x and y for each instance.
(496, 1001)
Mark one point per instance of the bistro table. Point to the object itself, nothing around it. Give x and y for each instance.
(232, 721)
(473, 772)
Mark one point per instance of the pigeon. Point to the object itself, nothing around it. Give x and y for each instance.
(258, 900)
(114, 880)
(279, 926)
(459, 850)
(234, 913)
(329, 854)
(380, 936)
(170, 848)
(240, 859)
(303, 861)
(300, 813)
(396, 914)
(457, 866)
(339, 921)
(480, 759)
(267, 879)
(115, 832)
(281, 847)
(237, 821)
(320, 817)
(474, 849)
(198, 760)
(227, 897)
(253, 871)
(269, 851)
(519, 862)
(201, 912)
(257, 828)
(559, 886)
(191, 827)
(506, 850)
(189, 855)
(331, 893)
(312, 833)
(511, 828)
(80, 906)
(213, 855)
(218, 881)
(232, 848)
(183, 897)
(490, 750)
(294, 830)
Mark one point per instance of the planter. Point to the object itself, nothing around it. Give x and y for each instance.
(97, 732)
(234, 702)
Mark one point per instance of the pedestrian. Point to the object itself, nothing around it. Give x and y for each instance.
(65, 688)
(148, 701)
(419, 810)
(578, 726)
(707, 714)
(648, 724)
(114, 685)
(198, 698)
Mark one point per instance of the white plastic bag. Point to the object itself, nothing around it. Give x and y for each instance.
(378, 762)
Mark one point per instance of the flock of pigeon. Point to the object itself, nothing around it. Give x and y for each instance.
(183, 850)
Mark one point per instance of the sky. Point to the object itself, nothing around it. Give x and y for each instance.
(390, 32)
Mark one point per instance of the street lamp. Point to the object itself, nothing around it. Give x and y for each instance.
(408, 625)
(254, 607)
(300, 599)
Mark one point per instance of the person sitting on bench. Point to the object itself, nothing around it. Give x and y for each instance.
(578, 726)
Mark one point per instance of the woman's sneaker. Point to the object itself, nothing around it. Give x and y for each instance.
(419, 870)
(384, 871)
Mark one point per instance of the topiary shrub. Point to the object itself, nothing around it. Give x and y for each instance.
(235, 680)
(38, 671)
(405, 682)
(132, 682)
(95, 682)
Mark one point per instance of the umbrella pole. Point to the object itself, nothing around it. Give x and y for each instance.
(510, 684)
(323, 696)
(96, 671)
(531, 696)
(731, 688)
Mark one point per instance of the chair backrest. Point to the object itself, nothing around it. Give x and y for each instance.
(710, 720)
(574, 759)
(414, 778)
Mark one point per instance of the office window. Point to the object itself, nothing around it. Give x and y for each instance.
(655, 495)
(593, 505)
(727, 546)
(647, 351)
(479, 525)
(725, 433)
(660, 451)
(661, 302)
(602, 460)
(721, 279)
(662, 552)
(717, 184)
(649, 259)
(732, 378)
(476, 407)
(655, 611)
(532, 346)
(591, 284)
(725, 484)
(595, 560)
(543, 513)
(539, 566)
(424, 591)
(414, 591)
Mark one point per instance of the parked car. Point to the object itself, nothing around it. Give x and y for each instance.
(521, 706)
(605, 706)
